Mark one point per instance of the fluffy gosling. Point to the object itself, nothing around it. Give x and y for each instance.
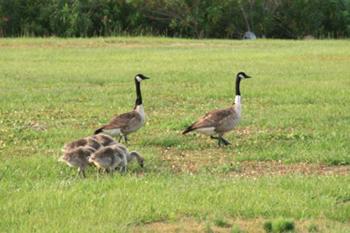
(78, 158)
(134, 154)
(87, 141)
(104, 140)
(108, 158)
(130, 156)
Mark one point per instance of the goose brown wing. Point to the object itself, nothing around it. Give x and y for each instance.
(212, 119)
(123, 121)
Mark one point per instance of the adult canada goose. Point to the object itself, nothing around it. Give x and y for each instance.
(126, 123)
(108, 158)
(218, 122)
(78, 157)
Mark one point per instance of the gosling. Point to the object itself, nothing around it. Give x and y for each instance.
(108, 158)
(104, 140)
(78, 158)
(130, 156)
(87, 141)
(134, 154)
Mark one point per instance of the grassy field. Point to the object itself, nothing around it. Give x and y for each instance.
(289, 160)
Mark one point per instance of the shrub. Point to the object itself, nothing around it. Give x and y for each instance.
(279, 226)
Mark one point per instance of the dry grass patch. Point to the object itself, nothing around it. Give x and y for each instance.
(277, 168)
(244, 225)
(217, 161)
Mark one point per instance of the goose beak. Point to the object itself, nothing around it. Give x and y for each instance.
(247, 76)
(146, 77)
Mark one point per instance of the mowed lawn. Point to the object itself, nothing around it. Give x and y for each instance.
(289, 158)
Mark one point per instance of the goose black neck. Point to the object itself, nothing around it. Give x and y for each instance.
(238, 83)
(138, 93)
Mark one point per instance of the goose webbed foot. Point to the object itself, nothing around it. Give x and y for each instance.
(221, 140)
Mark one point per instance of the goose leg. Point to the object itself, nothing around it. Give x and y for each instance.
(224, 141)
(217, 138)
(81, 172)
(120, 138)
(111, 170)
(126, 139)
(122, 169)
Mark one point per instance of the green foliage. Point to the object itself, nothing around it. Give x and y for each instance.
(268, 227)
(279, 226)
(221, 222)
(181, 18)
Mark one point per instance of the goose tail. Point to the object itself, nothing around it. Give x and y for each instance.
(99, 130)
(187, 130)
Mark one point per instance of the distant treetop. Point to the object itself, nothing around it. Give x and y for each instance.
(176, 18)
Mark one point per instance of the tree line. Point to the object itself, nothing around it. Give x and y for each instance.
(176, 18)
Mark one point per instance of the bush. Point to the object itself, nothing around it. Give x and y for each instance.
(279, 226)
(220, 222)
(205, 18)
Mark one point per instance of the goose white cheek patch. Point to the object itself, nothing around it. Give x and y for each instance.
(138, 79)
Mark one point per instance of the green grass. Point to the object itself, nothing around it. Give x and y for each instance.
(296, 110)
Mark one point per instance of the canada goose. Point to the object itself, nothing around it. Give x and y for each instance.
(78, 157)
(219, 122)
(87, 141)
(108, 158)
(129, 122)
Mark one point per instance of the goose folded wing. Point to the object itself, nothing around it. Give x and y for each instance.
(123, 120)
(212, 119)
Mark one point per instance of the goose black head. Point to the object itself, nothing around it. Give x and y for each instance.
(140, 77)
(242, 75)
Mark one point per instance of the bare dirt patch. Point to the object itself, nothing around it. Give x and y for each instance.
(253, 168)
(222, 162)
(194, 162)
(244, 225)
